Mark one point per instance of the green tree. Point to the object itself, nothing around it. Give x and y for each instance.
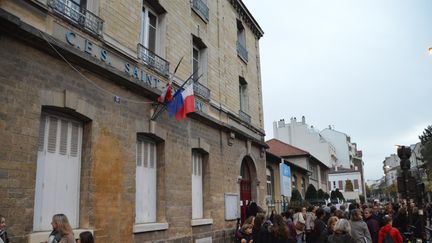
(339, 195)
(326, 196)
(320, 195)
(296, 196)
(349, 186)
(311, 194)
(426, 141)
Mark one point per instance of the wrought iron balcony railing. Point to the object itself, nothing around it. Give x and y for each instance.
(201, 8)
(242, 52)
(78, 15)
(244, 116)
(154, 61)
(202, 91)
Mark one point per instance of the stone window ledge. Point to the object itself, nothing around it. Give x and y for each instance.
(138, 228)
(197, 222)
(42, 236)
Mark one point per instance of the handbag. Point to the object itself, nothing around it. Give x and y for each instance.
(298, 225)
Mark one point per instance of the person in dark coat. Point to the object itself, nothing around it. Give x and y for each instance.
(372, 224)
(259, 230)
(320, 232)
(400, 221)
(279, 232)
(342, 233)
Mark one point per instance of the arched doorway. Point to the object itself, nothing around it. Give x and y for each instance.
(247, 172)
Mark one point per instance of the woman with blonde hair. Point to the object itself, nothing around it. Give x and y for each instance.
(62, 231)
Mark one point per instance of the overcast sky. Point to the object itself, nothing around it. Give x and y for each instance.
(359, 65)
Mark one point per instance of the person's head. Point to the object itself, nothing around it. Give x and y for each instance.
(339, 213)
(259, 220)
(356, 215)
(332, 223)
(342, 207)
(86, 237)
(387, 219)
(250, 220)
(61, 224)
(247, 228)
(343, 226)
(279, 228)
(2, 223)
(367, 213)
(320, 213)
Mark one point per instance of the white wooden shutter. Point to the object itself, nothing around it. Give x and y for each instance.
(145, 182)
(197, 191)
(58, 171)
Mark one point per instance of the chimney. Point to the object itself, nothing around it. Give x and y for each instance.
(330, 127)
(281, 123)
(303, 120)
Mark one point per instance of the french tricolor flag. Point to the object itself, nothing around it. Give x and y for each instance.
(183, 103)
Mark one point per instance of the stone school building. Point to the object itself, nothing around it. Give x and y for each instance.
(78, 85)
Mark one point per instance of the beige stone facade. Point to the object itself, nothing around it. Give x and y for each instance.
(56, 61)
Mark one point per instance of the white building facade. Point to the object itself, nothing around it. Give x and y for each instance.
(301, 135)
(338, 180)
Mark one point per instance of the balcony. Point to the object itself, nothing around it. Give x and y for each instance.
(242, 52)
(78, 15)
(154, 61)
(202, 91)
(200, 7)
(244, 116)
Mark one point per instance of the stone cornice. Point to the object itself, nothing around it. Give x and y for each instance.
(247, 17)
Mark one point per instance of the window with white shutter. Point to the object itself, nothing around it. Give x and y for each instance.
(58, 170)
(145, 181)
(197, 186)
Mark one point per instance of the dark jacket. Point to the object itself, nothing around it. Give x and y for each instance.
(340, 238)
(373, 227)
(4, 236)
(320, 232)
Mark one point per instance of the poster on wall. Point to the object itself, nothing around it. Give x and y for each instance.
(285, 179)
(231, 206)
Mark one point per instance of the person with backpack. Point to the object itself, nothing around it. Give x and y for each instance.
(388, 233)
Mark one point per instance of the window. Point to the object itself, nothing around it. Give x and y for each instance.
(80, 13)
(334, 184)
(58, 170)
(356, 184)
(294, 182)
(269, 174)
(241, 42)
(145, 181)
(199, 60)
(149, 22)
(323, 175)
(303, 186)
(340, 185)
(314, 169)
(197, 185)
(243, 93)
(200, 7)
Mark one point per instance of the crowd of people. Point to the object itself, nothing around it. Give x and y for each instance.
(61, 232)
(353, 223)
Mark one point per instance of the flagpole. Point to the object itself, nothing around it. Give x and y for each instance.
(176, 93)
(175, 70)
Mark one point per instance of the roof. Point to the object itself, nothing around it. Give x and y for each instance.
(282, 149)
(342, 170)
(275, 158)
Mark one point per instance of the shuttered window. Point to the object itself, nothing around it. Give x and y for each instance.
(58, 170)
(197, 186)
(356, 184)
(340, 185)
(145, 181)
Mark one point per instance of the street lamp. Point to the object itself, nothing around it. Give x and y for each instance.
(430, 50)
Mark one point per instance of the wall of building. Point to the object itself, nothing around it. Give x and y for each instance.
(341, 145)
(334, 179)
(34, 79)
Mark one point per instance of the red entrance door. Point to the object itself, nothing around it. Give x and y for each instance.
(245, 190)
